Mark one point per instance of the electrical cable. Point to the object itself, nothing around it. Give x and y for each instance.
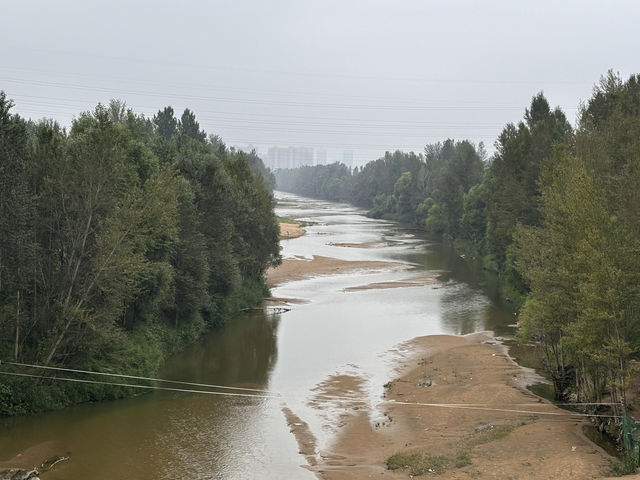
(270, 115)
(147, 387)
(91, 372)
(275, 395)
(410, 107)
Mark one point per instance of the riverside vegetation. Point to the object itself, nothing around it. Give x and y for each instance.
(121, 240)
(554, 211)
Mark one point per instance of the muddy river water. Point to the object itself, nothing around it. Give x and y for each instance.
(335, 330)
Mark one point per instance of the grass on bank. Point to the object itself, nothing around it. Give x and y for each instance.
(421, 464)
(418, 463)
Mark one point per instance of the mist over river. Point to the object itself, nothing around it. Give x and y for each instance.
(333, 330)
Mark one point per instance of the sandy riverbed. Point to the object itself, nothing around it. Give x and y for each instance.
(418, 281)
(460, 370)
(487, 441)
(299, 268)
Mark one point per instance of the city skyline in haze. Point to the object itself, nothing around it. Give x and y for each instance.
(365, 77)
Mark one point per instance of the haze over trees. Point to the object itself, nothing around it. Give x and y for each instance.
(554, 212)
(121, 240)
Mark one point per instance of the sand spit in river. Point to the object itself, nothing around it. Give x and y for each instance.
(538, 441)
(300, 268)
(419, 281)
(291, 230)
(359, 245)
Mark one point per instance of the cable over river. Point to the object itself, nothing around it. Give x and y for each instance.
(379, 286)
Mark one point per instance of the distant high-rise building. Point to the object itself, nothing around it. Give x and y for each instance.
(301, 156)
(289, 157)
(347, 158)
(321, 157)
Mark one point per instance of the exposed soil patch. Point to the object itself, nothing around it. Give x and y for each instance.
(337, 399)
(282, 302)
(37, 458)
(290, 230)
(301, 268)
(407, 282)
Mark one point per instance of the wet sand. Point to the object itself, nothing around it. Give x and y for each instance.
(300, 268)
(31, 458)
(419, 281)
(304, 437)
(282, 302)
(487, 441)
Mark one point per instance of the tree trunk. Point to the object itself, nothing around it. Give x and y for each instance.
(15, 352)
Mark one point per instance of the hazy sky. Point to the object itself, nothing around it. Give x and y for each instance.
(360, 75)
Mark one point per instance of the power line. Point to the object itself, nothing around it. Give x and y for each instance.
(272, 395)
(270, 116)
(145, 83)
(275, 119)
(390, 146)
(492, 409)
(418, 147)
(411, 107)
(147, 387)
(267, 126)
(106, 374)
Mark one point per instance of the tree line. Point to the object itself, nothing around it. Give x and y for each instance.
(121, 240)
(554, 211)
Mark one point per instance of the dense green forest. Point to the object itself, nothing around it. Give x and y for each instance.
(121, 240)
(554, 211)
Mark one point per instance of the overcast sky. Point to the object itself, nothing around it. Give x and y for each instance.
(360, 75)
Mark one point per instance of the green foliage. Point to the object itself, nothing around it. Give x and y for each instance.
(260, 171)
(165, 123)
(513, 178)
(417, 463)
(121, 241)
(582, 261)
(436, 221)
(626, 465)
(462, 459)
(452, 169)
(322, 181)
(473, 224)
(488, 435)
(190, 127)
(420, 463)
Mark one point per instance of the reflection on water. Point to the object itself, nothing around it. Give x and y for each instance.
(176, 435)
(168, 435)
(243, 352)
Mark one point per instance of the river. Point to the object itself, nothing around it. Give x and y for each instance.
(169, 435)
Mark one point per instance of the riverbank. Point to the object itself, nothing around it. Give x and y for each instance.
(289, 231)
(499, 430)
